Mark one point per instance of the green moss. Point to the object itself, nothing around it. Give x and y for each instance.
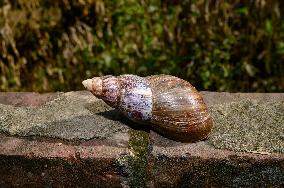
(220, 46)
(134, 165)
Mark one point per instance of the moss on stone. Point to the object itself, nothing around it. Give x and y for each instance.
(134, 165)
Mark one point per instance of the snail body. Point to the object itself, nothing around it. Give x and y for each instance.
(172, 106)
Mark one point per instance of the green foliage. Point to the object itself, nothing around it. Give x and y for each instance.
(216, 45)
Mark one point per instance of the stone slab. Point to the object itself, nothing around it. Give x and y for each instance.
(212, 98)
(243, 121)
(42, 162)
(73, 139)
(175, 164)
(68, 116)
(26, 98)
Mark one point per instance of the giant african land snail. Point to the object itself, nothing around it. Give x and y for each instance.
(171, 105)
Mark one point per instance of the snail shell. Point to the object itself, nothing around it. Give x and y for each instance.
(171, 105)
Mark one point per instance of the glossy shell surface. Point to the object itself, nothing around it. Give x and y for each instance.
(179, 111)
(171, 105)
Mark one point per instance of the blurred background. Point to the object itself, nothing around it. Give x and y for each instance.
(219, 45)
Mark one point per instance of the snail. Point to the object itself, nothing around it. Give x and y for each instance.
(172, 106)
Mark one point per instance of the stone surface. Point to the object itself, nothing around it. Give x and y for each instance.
(44, 172)
(73, 139)
(175, 164)
(42, 162)
(248, 125)
(26, 98)
(70, 116)
(232, 172)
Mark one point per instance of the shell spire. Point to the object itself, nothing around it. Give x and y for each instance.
(106, 88)
(94, 85)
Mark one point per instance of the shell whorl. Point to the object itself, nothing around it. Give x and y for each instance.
(178, 111)
(107, 88)
(136, 98)
(171, 105)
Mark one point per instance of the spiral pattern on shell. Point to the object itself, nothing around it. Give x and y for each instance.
(172, 106)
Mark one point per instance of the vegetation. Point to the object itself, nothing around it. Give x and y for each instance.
(217, 45)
